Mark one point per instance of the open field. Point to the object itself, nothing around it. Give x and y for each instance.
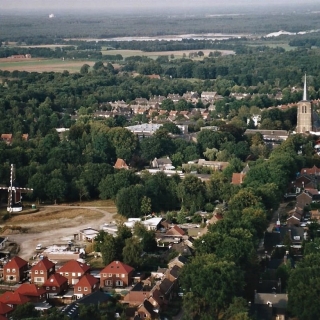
(154, 55)
(54, 224)
(42, 65)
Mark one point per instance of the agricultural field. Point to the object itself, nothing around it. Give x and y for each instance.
(42, 65)
(154, 55)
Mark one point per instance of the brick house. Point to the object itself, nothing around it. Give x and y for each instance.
(55, 285)
(15, 269)
(304, 199)
(86, 285)
(5, 310)
(32, 292)
(116, 274)
(42, 271)
(13, 299)
(73, 271)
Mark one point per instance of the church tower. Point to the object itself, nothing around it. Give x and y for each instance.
(304, 116)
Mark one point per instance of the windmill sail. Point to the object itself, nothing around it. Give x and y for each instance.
(14, 193)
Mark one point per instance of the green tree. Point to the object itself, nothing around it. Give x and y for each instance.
(129, 200)
(210, 285)
(25, 311)
(56, 189)
(82, 189)
(108, 249)
(145, 206)
(132, 253)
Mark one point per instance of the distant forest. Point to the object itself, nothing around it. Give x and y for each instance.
(22, 28)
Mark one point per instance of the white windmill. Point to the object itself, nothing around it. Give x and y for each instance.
(14, 193)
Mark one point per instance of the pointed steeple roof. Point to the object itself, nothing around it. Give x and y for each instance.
(305, 88)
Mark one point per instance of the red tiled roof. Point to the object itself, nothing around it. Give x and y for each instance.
(55, 280)
(74, 266)
(16, 262)
(28, 289)
(311, 171)
(7, 136)
(87, 281)
(10, 297)
(117, 267)
(4, 308)
(175, 231)
(44, 264)
(237, 178)
(121, 164)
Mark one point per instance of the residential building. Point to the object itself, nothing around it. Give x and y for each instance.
(5, 310)
(116, 274)
(87, 234)
(15, 270)
(86, 285)
(121, 164)
(42, 271)
(13, 298)
(55, 285)
(32, 292)
(162, 163)
(74, 270)
(7, 138)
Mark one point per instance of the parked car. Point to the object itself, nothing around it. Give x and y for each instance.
(39, 246)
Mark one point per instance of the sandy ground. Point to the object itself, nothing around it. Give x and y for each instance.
(56, 231)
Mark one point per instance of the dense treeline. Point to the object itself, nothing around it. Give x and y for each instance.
(42, 30)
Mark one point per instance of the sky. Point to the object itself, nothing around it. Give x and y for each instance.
(49, 5)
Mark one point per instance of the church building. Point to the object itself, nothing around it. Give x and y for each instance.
(304, 112)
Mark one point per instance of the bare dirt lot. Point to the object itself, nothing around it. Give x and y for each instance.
(54, 225)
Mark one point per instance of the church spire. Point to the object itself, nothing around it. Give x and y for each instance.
(305, 88)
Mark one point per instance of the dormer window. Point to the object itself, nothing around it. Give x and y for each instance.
(41, 271)
(8, 270)
(36, 272)
(13, 270)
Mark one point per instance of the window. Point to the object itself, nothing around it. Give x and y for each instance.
(117, 275)
(119, 283)
(73, 274)
(108, 283)
(85, 288)
(38, 279)
(79, 274)
(110, 274)
(13, 270)
(8, 270)
(66, 274)
(47, 288)
(36, 272)
(79, 288)
(123, 275)
(104, 275)
(54, 288)
(41, 271)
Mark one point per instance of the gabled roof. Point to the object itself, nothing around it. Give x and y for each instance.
(117, 267)
(175, 231)
(44, 264)
(312, 171)
(165, 286)
(121, 164)
(237, 178)
(10, 297)
(74, 266)
(55, 280)
(4, 308)
(28, 289)
(16, 262)
(87, 281)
